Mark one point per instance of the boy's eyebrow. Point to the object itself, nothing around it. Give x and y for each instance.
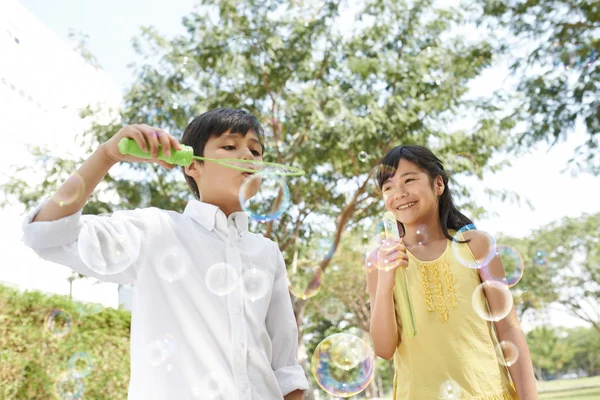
(253, 139)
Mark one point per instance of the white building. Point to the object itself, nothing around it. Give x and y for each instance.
(43, 85)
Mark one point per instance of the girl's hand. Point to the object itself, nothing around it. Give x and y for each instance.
(388, 257)
(146, 137)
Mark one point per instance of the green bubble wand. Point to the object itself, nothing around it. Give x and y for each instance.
(407, 314)
(185, 157)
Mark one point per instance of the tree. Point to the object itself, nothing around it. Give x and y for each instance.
(558, 78)
(549, 353)
(562, 263)
(332, 103)
(586, 344)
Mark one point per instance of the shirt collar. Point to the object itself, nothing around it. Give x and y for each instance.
(207, 215)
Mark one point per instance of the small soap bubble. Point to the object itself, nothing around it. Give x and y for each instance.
(71, 192)
(243, 59)
(264, 196)
(512, 264)
(572, 55)
(108, 246)
(363, 156)
(305, 278)
(461, 250)
(221, 278)
(69, 387)
(58, 323)
(80, 365)
(332, 309)
(214, 387)
(508, 353)
(503, 300)
(450, 390)
(174, 264)
(161, 349)
(257, 283)
(539, 257)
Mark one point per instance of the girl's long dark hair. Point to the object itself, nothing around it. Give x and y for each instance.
(450, 217)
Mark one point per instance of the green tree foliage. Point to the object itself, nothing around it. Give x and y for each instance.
(568, 271)
(559, 76)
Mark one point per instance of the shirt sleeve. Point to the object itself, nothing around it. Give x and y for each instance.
(283, 331)
(107, 248)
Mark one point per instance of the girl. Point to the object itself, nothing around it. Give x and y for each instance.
(454, 353)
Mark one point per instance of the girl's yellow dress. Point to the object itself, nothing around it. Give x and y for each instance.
(454, 347)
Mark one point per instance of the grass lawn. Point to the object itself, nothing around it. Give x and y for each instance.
(570, 391)
(566, 389)
(582, 394)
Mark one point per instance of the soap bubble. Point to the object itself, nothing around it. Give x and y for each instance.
(221, 278)
(58, 322)
(462, 251)
(363, 156)
(80, 365)
(343, 365)
(68, 387)
(161, 349)
(332, 308)
(570, 55)
(539, 257)
(242, 63)
(508, 353)
(174, 263)
(71, 191)
(503, 297)
(512, 263)
(257, 283)
(108, 246)
(450, 390)
(305, 278)
(264, 196)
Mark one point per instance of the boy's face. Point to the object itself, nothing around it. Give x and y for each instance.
(220, 185)
(409, 194)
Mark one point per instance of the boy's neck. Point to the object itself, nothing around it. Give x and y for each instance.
(227, 209)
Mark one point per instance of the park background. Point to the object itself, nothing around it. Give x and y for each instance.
(513, 85)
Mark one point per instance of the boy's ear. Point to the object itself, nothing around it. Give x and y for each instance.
(194, 170)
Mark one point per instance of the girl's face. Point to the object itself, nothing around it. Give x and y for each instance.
(410, 195)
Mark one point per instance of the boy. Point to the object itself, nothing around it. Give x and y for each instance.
(195, 332)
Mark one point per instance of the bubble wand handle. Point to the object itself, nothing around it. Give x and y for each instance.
(183, 157)
(407, 314)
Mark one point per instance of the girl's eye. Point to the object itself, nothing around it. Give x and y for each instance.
(409, 180)
(385, 189)
(256, 153)
(229, 147)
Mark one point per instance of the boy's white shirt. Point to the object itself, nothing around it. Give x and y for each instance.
(248, 346)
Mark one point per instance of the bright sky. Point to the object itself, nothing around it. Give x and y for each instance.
(110, 25)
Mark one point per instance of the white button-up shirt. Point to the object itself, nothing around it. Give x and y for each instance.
(212, 317)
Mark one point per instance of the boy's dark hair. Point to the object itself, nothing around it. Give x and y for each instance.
(214, 123)
(424, 158)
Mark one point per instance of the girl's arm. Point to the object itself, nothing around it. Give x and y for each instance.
(508, 328)
(380, 285)
(383, 328)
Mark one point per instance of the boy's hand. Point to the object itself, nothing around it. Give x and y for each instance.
(388, 257)
(147, 137)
